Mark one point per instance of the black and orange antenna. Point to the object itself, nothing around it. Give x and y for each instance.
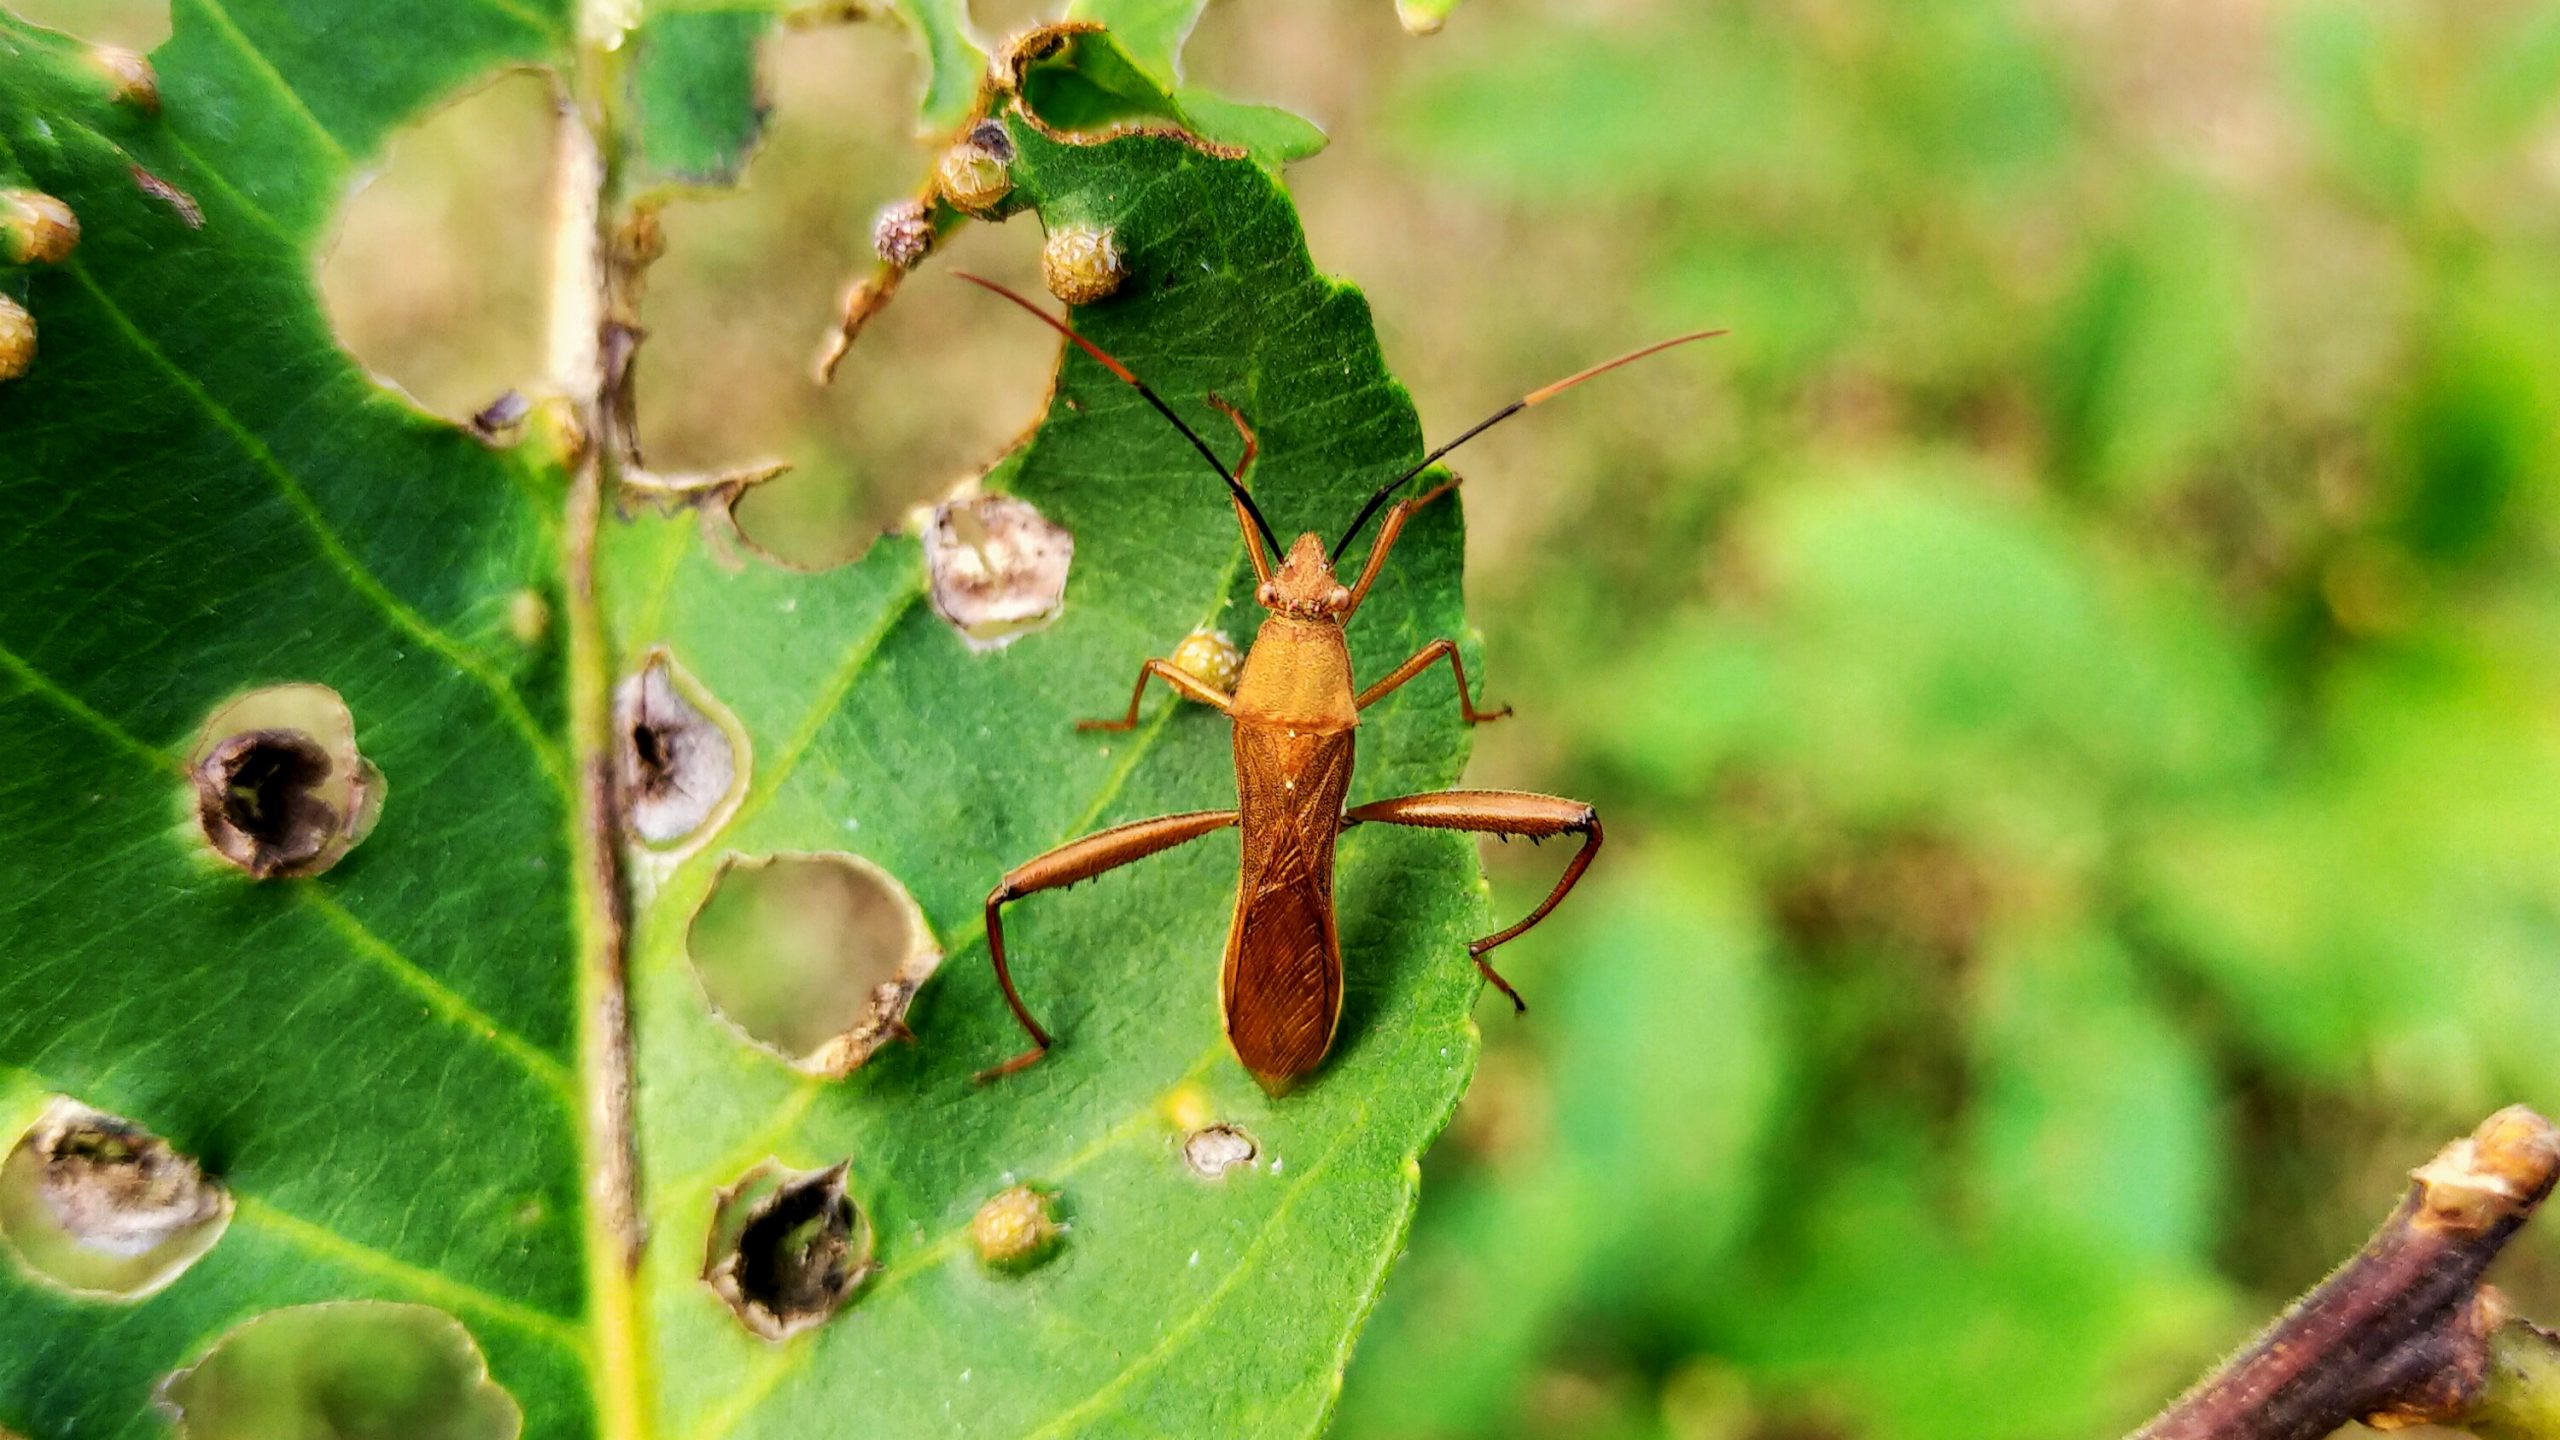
(1235, 487)
(1538, 396)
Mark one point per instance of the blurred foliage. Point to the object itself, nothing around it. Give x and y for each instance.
(2081, 693)
(2071, 678)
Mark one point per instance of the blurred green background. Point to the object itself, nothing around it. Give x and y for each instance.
(2073, 681)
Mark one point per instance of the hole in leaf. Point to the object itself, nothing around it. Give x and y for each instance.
(103, 1207)
(1015, 1230)
(350, 1370)
(280, 789)
(1214, 1150)
(814, 957)
(435, 280)
(750, 288)
(138, 25)
(680, 768)
(998, 568)
(788, 1248)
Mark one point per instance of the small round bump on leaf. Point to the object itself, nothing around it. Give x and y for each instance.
(1081, 264)
(787, 1248)
(36, 228)
(997, 567)
(1216, 1149)
(278, 786)
(1186, 1107)
(1211, 657)
(17, 339)
(1014, 1229)
(975, 174)
(102, 1207)
(357, 1369)
(528, 617)
(130, 78)
(903, 235)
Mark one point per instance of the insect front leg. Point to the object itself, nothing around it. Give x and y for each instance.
(1497, 812)
(1079, 860)
(1173, 675)
(1421, 661)
(1385, 544)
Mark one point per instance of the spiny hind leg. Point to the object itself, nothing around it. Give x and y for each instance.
(1095, 854)
(1497, 812)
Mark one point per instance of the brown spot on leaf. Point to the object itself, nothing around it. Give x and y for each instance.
(501, 417)
(170, 195)
(279, 787)
(101, 1206)
(814, 957)
(679, 766)
(787, 1248)
(130, 78)
(996, 566)
(349, 1370)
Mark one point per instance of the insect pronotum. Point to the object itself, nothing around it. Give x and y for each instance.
(1296, 710)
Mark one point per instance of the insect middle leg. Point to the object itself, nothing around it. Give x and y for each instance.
(1173, 675)
(1079, 860)
(1497, 812)
(1422, 660)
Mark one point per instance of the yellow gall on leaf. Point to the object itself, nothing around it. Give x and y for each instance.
(974, 174)
(903, 235)
(130, 78)
(1014, 1230)
(36, 228)
(1081, 264)
(1210, 657)
(17, 339)
(528, 617)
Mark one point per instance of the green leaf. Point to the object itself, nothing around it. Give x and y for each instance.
(209, 497)
(697, 100)
(1151, 31)
(390, 1065)
(878, 730)
(698, 105)
(954, 65)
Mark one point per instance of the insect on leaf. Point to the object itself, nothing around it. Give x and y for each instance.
(380, 1055)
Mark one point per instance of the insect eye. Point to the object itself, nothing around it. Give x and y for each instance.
(1336, 598)
(1267, 595)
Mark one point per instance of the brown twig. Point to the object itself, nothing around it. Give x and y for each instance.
(2404, 1333)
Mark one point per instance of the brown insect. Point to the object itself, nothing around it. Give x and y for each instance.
(1296, 710)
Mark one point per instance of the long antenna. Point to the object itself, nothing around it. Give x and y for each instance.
(1234, 486)
(1535, 397)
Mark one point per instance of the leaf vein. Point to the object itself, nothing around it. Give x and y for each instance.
(362, 580)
